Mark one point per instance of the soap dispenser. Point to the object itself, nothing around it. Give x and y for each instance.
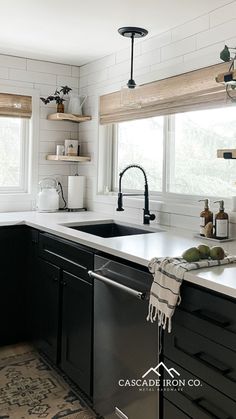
(206, 216)
(221, 222)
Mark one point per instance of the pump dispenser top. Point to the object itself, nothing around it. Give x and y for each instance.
(222, 205)
(206, 203)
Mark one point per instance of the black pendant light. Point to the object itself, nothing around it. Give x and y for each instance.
(132, 32)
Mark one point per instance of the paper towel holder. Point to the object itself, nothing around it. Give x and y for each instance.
(74, 208)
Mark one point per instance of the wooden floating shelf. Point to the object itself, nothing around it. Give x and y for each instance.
(227, 153)
(67, 158)
(68, 117)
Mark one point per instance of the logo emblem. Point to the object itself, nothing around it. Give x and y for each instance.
(171, 371)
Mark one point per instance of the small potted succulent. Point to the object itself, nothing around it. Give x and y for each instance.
(58, 97)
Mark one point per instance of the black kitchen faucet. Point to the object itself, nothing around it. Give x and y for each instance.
(146, 213)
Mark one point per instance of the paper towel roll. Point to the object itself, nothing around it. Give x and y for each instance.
(76, 192)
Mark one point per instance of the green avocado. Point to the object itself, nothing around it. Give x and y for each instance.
(217, 253)
(191, 255)
(204, 251)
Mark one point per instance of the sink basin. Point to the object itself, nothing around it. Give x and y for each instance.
(111, 230)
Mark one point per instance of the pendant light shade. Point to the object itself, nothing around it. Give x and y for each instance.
(130, 95)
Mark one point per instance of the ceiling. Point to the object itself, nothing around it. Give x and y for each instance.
(76, 31)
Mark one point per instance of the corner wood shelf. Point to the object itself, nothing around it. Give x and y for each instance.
(67, 158)
(68, 117)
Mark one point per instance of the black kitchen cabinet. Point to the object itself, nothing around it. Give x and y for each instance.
(47, 298)
(77, 309)
(170, 411)
(62, 306)
(202, 347)
(13, 313)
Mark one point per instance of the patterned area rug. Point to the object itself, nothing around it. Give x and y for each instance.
(31, 388)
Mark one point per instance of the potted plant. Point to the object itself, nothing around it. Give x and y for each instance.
(58, 97)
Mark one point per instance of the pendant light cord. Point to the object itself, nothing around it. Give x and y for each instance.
(132, 57)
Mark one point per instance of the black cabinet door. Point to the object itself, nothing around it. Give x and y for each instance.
(13, 276)
(76, 352)
(47, 308)
(170, 411)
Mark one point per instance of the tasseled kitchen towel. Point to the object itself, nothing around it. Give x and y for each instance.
(168, 275)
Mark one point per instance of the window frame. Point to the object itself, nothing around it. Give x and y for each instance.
(24, 199)
(24, 161)
(170, 198)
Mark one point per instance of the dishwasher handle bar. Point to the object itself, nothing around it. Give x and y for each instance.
(138, 294)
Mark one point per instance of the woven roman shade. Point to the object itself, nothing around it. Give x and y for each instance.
(15, 105)
(189, 91)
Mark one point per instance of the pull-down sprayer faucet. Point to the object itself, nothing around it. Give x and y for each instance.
(146, 213)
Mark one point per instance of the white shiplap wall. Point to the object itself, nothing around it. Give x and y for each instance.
(43, 77)
(184, 48)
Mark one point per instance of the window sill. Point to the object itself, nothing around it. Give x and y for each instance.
(183, 205)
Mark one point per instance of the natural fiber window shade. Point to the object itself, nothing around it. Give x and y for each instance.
(189, 91)
(15, 105)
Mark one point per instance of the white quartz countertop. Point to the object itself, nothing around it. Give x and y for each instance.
(139, 248)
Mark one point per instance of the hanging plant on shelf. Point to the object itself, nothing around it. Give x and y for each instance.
(58, 97)
(228, 78)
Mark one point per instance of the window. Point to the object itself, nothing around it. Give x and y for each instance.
(178, 153)
(14, 146)
(141, 142)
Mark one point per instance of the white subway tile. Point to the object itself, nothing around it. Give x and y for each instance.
(3, 73)
(57, 125)
(14, 83)
(119, 69)
(124, 54)
(48, 67)
(178, 48)
(13, 62)
(97, 76)
(54, 169)
(68, 81)
(48, 135)
(216, 34)
(163, 70)
(75, 71)
(148, 58)
(83, 81)
(31, 76)
(223, 14)
(45, 89)
(98, 65)
(156, 42)
(203, 57)
(49, 146)
(195, 26)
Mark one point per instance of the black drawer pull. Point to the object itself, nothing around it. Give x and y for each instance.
(65, 259)
(213, 362)
(211, 409)
(214, 318)
(204, 358)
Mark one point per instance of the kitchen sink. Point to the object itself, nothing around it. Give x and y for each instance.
(111, 229)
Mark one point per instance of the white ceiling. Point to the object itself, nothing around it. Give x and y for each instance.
(79, 31)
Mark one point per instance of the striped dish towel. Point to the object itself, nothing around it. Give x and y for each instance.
(168, 275)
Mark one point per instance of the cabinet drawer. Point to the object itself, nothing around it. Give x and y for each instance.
(170, 411)
(69, 256)
(208, 314)
(201, 401)
(213, 363)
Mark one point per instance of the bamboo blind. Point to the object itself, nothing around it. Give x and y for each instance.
(189, 91)
(15, 105)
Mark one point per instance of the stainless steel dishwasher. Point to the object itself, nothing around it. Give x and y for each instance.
(125, 344)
